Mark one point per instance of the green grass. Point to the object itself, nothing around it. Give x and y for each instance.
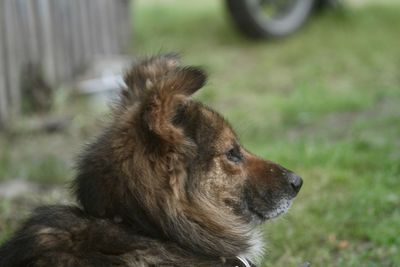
(324, 103)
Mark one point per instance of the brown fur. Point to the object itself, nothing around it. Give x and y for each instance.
(166, 184)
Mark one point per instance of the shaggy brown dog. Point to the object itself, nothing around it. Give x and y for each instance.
(166, 184)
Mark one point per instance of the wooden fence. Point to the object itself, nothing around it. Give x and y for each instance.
(58, 38)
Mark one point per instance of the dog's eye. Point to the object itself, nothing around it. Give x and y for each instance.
(234, 155)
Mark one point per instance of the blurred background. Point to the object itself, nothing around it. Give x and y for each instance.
(323, 101)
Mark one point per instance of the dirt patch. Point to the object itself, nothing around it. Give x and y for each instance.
(340, 125)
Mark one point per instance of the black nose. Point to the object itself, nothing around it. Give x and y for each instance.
(295, 181)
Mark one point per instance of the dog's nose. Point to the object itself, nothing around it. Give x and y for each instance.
(295, 181)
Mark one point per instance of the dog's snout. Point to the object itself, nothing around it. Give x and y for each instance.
(295, 181)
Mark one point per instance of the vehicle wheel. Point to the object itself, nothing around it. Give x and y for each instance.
(269, 18)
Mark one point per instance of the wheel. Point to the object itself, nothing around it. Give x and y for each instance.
(269, 18)
(326, 4)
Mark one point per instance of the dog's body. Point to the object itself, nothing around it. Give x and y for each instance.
(67, 236)
(166, 184)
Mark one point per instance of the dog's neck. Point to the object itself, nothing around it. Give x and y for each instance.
(206, 236)
(213, 235)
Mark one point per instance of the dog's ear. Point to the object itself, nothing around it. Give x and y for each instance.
(167, 96)
(144, 74)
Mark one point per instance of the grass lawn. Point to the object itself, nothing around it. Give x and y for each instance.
(324, 103)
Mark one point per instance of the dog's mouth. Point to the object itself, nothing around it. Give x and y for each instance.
(259, 215)
(263, 212)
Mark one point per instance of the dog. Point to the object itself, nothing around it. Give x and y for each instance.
(167, 183)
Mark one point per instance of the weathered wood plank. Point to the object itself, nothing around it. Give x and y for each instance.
(112, 27)
(64, 10)
(31, 35)
(77, 43)
(92, 31)
(3, 73)
(47, 44)
(123, 13)
(85, 48)
(59, 43)
(104, 14)
(13, 56)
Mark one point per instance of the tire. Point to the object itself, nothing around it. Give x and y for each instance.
(249, 18)
(327, 4)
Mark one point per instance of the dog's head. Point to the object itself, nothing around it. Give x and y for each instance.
(172, 166)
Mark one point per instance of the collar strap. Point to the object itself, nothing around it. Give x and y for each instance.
(244, 261)
(241, 262)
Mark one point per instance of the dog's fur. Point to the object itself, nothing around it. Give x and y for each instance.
(166, 184)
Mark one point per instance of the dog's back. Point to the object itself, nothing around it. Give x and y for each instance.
(66, 236)
(46, 239)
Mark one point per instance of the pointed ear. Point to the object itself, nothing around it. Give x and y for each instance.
(166, 97)
(185, 81)
(144, 74)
